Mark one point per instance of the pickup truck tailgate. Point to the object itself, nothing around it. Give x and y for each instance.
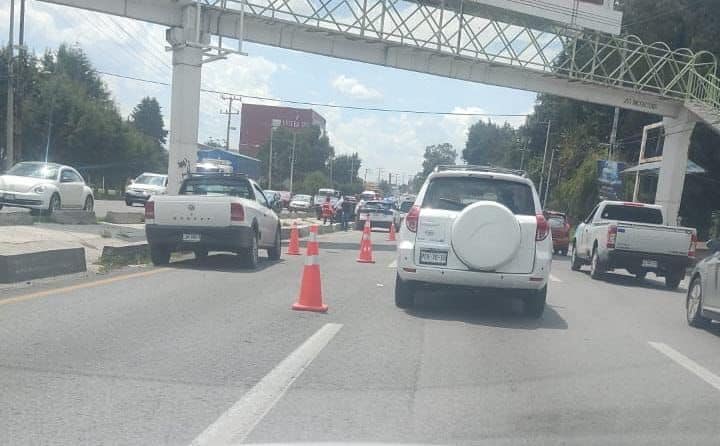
(184, 210)
(654, 239)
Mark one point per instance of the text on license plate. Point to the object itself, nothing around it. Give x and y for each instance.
(649, 263)
(433, 257)
(191, 237)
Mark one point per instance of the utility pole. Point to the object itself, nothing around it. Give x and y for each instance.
(380, 171)
(522, 156)
(352, 168)
(613, 133)
(365, 177)
(273, 125)
(547, 186)
(547, 142)
(229, 112)
(10, 124)
(292, 161)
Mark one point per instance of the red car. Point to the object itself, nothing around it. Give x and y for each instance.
(560, 231)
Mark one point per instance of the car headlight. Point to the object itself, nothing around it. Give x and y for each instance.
(39, 189)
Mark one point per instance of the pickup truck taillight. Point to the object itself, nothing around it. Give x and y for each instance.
(542, 228)
(693, 243)
(412, 217)
(237, 212)
(612, 236)
(149, 210)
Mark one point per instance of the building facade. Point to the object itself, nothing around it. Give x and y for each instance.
(257, 120)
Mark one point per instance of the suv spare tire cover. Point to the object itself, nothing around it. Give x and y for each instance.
(485, 235)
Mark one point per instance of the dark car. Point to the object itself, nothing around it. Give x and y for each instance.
(560, 231)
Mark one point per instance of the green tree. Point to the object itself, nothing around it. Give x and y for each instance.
(491, 144)
(435, 155)
(314, 181)
(312, 152)
(148, 119)
(345, 168)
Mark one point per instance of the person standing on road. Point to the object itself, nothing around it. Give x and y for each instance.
(347, 208)
(327, 210)
(338, 208)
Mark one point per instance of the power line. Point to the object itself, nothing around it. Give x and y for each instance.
(319, 104)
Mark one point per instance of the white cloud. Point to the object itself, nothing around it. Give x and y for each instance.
(355, 89)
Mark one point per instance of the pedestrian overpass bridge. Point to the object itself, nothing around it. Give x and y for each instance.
(460, 39)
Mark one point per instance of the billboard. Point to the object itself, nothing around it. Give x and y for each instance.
(610, 182)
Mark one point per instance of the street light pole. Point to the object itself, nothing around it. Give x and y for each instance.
(10, 117)
(547, 185)
(292, 162)
(273, 124)
(547, 142)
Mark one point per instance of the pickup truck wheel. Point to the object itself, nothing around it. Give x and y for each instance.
(160, 255)
(250, 255)
(673, 279)
(575, 261)
(596, 268)
(404, 293)
(274, 252)
(693, 305)
(201, 254)
(640, 275)
(128, 202)
(535, 303)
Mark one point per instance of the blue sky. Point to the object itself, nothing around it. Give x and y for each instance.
(392, 141)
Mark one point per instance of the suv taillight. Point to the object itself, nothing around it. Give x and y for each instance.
(611, 236)
(237, 212)
(693, 243)
(149, 210)
(411, 219)
(542, 228)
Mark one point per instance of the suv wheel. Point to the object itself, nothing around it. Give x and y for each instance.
(274, 252)
(596, 268)
(250, 255)
(535, 303)
(693, 305)
(575, 262)
(404, 293)
(160, 255)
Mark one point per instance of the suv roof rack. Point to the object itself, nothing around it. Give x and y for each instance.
(475, 168)
(215, 174)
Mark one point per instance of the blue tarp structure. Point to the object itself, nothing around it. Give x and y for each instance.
(240, 163)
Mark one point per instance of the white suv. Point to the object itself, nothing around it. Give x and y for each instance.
(476, 226)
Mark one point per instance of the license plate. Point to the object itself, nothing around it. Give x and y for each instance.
(649, 263)
(433, 257)
(191, 237)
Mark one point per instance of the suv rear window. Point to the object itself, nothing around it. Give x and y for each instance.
(217, 186)
(635, 214)
(455, 193)
(406, 205)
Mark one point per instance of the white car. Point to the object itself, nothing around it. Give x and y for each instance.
(45, 187)
(145, 186)
(382, 214)
(301, 202)
(477, 227)
(213, 212)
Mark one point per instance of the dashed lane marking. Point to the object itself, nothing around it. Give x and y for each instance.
(234, 426)
(555, 279)
(393, 264)
(698, 370)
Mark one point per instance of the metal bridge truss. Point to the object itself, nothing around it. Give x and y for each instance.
(461, 28)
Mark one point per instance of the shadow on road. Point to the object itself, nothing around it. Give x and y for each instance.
(350, 246)
(482, 308)
(633, 282)
(222, 263)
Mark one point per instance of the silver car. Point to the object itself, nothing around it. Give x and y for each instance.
(703, 299)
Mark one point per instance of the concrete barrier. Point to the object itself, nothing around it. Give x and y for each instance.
(73, 217)
(128, 254)
(16, 219)
(18, 267)
(125, 217)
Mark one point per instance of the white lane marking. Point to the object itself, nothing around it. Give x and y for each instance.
(237, 422)
(555, 279)
(393, 264)
(700, 371)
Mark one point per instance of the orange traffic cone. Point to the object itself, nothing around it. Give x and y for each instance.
(294, 246)
(366, 255)
(391, 235)
(310, 298)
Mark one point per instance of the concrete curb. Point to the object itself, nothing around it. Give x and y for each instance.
(133, 218)
(74, 217)
(304, 231)
(128, 254)
(40, 264)
(16, 219)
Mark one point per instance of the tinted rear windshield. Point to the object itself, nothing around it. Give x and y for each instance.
(455, 193)
(635, 214)
(406, 205)
(232, 187)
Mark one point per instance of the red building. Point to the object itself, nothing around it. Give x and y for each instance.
(257, 120)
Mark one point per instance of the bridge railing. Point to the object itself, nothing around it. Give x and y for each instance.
(446, 27)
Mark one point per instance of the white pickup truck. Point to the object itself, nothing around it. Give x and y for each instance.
(632, 236)
(213, 212)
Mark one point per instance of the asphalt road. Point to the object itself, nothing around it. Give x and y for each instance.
(101, 207)
(205, 352)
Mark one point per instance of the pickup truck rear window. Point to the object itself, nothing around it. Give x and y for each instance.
(455, 193)
(232, 187)
(634, 214)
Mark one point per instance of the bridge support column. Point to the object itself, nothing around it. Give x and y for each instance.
(184, 106)
(674, 163)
